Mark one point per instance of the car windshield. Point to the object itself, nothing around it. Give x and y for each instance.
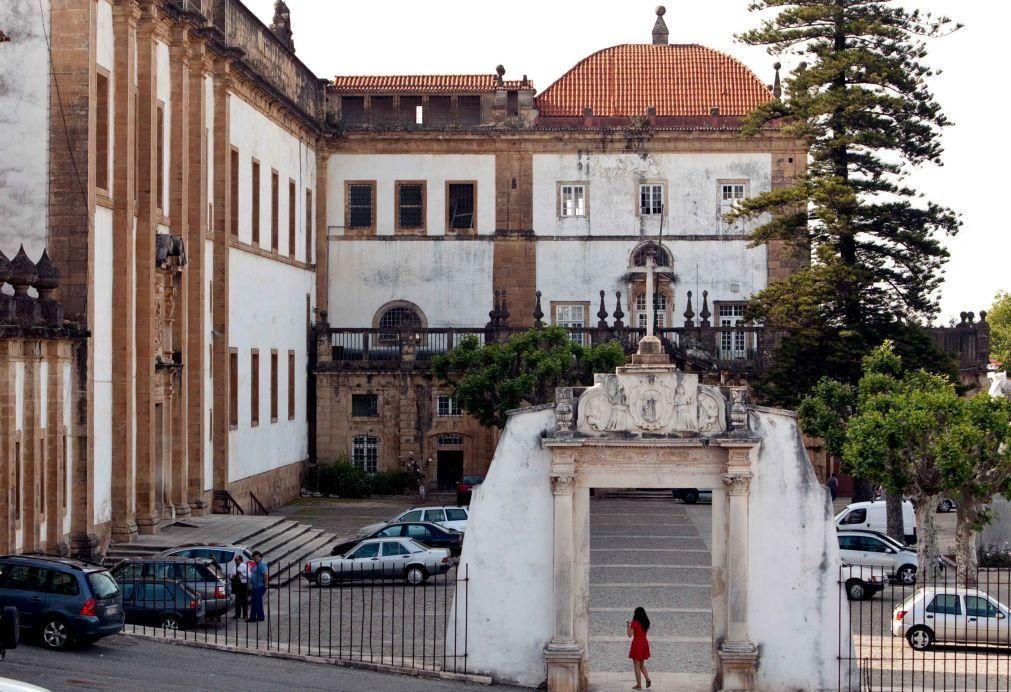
(102, 585)
(473, 480)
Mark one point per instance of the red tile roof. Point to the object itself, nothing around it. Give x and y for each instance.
(425, 84)
(679, 80)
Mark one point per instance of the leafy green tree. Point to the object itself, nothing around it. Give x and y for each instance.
(999, 318)
(492, 379)
(864, 106)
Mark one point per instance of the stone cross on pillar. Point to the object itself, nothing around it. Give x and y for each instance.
(650, 308)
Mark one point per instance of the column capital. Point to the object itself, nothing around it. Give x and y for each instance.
(737, 483)
(128, 11)
(563, 477)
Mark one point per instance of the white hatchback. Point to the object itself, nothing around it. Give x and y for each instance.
(951, 615)
(452, 517)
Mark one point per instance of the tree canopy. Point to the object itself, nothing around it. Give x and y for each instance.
(999, 318)
(863, 104)
(489, 380)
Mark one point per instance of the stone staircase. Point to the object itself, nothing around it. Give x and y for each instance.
(286, 544)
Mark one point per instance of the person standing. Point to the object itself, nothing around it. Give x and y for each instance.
(636, 628)
(833, 486)
(238, 575)
(258, 575)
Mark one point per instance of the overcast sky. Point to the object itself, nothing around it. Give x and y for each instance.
(545, 38)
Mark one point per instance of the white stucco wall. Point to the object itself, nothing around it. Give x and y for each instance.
(255, 136)
(267, 311)
(24, 121)
(691, 182)
(386, 169)
(101, 342)
(67, 417)
(208, 446)
(507, 558)
(578, 269)
(164, 95)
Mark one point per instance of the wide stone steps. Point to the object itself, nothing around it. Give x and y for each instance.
(290, 568)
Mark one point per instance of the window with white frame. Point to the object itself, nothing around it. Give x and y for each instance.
(642, 313)
(572, 200)
(733, 344)
(650, 198)
(447, 406)
(731, 193)
(365, 453)
(571, 315)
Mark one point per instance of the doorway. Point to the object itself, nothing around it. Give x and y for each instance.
(450, 468)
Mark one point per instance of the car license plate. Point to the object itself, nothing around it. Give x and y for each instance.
(111, 610)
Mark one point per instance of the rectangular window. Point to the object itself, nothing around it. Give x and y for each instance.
(731, 192)
(461, 200)
(160, 157)
(650, 199)
(274, 211)
(733, 344)
(447, 406)
(468, 110)
(233, 388)
(360, 214)
(254, 387)
(291, 218)
(256, 203)
(365, 453)
(642, 314)
(364, 405)
(450, 440)
(571, 315)
(291, 385)
(571, 200)
(410, 206)
(308, 226)
(102, 133)
(233, 184)
(273, 386)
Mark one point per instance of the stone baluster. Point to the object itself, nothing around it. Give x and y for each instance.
(689, 313)
(618, 313)
(602, 314)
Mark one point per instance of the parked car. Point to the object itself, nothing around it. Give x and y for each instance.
(464, 488)
(452, 517)
(221, 554)
(199, 574)
(426, 533)
(872, 516)
(164, 603)
(946, 504)
(64, 601)
(861, 582)
(691, 495)
(380, 558)
(951, 615)
(873, 549)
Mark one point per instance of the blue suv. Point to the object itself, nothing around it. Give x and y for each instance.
(64, 601)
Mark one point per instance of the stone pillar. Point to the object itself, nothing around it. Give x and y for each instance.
(321, 246)
(31, 447)
(738, 654)
(564, 656)
(58, 356)
(8, 436)
(124, 261)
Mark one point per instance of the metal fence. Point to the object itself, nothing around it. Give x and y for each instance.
(372, 614)
(939, 633)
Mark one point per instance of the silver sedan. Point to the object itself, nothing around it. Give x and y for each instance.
(380, 558)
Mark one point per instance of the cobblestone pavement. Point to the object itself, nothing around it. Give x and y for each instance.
(654, 552)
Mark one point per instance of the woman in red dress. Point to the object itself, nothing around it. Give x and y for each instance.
(639, 651)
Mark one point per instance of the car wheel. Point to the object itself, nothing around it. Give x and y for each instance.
(906, 574)
(691, 498)
(946, 506)
(325, 577)
(920, 638)
(855, 590)
(170, 623)
(56, 634)
(416, 575)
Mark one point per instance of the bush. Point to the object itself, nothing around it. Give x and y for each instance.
(392, 483)
(341, 479)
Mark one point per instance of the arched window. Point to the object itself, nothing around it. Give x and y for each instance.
(662, 256)
(399, 318)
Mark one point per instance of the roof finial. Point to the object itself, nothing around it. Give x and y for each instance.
(660, 32)
(281, 26)
(500, 71)
(777, 87)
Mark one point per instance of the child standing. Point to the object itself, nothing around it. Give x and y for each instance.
(636, 628)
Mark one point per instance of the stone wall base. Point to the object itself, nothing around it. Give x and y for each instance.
(272, 488)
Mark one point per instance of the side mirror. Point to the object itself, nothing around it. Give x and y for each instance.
(1001, 616)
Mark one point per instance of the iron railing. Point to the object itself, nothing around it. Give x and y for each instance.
(361, 614)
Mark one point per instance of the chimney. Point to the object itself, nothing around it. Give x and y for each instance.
(660, 32)
(587, 116)
(281, 26)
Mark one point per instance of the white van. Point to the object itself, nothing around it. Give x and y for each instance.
(871, 515)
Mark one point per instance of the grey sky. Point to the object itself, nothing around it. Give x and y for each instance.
(544, 39)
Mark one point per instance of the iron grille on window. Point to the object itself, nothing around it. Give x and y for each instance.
(450, 440)
(410, 205)
(399, 318)
(661, 256)
(365, 453)
(360, 206)
(364, 405)
(461, 206)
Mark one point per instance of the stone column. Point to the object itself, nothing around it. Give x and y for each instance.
(738, 653)
(31, 447)
(8, 437)
(563, 654)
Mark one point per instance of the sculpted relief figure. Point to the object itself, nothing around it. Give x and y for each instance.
(712, 411)
(686, 413)
(603, 408)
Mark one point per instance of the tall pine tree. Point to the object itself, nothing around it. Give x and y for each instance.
(863, 103)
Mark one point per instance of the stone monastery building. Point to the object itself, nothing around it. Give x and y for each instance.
(219, 268)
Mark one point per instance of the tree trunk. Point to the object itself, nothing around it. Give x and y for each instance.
(863, 490)
(926, 538)
(966, 562)
(893, 512)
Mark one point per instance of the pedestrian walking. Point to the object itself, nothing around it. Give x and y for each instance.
(258, 575)
(833, 486)
(636, 628)
(238, 575)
